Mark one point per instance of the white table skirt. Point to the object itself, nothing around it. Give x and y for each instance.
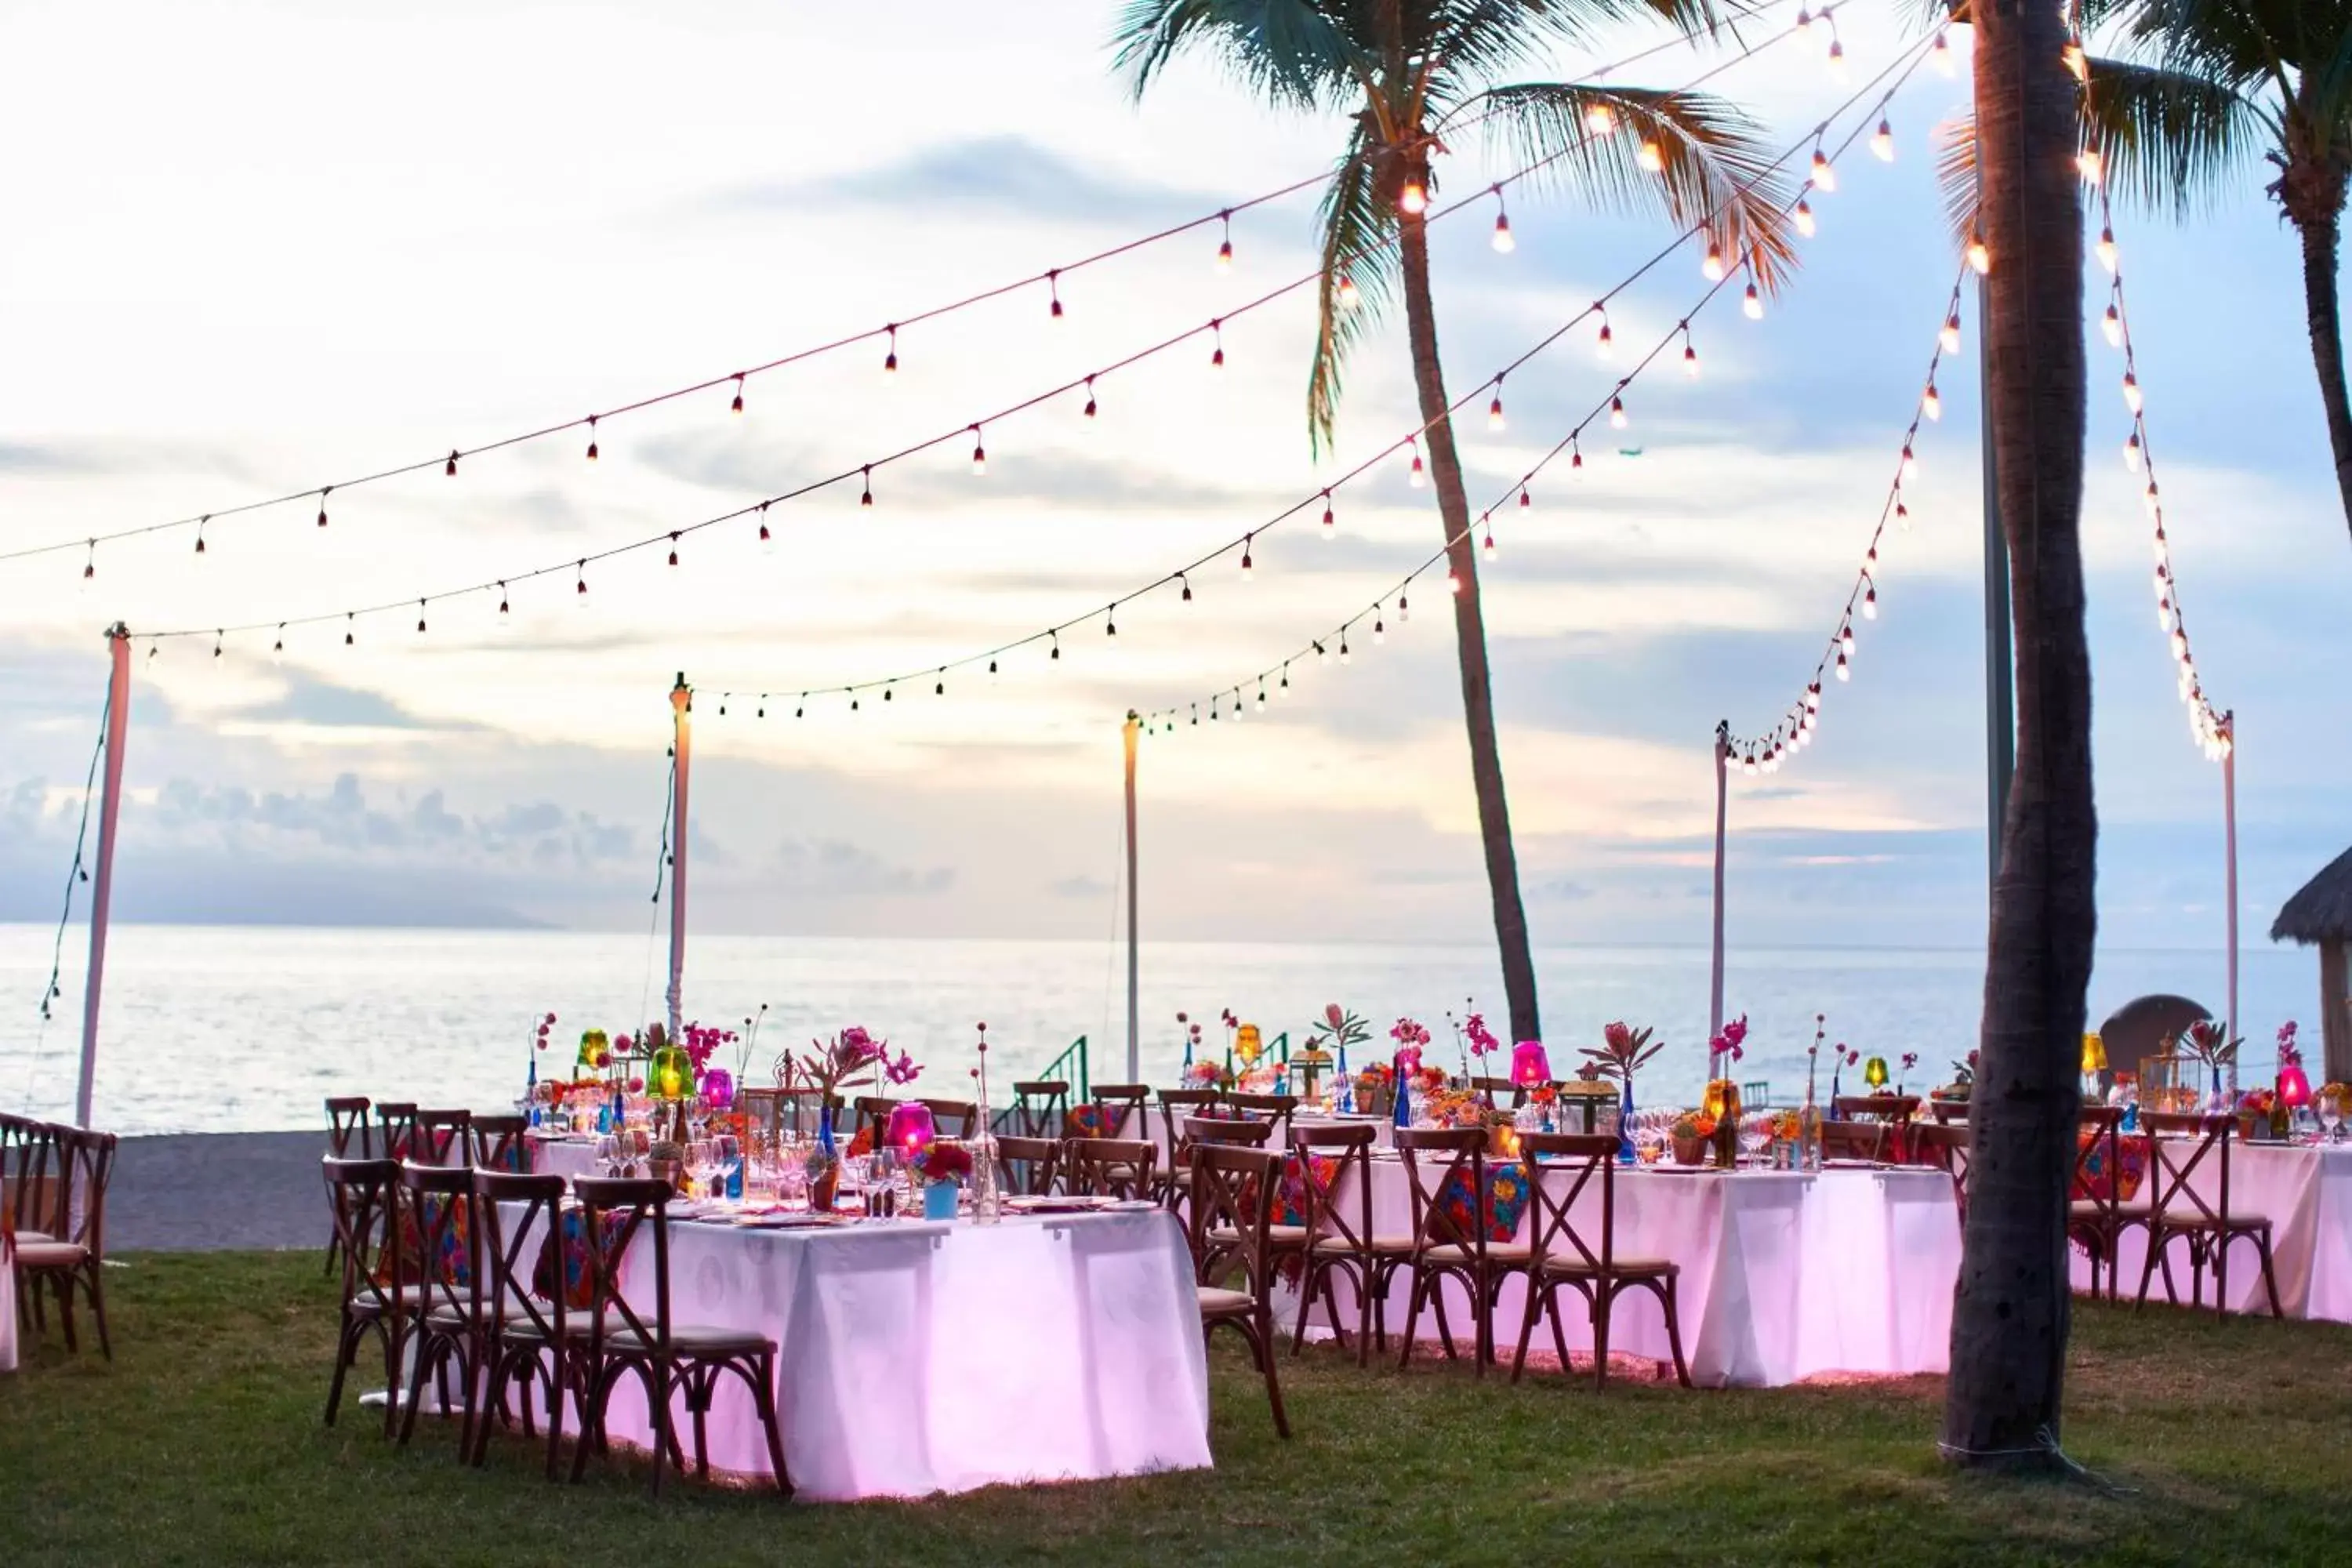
(1784, 1276)
(2306, 1192)
(7, 1307)
(565, 1157)
(920, 1358)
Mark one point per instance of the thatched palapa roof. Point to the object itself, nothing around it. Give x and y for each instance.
(2323, 910)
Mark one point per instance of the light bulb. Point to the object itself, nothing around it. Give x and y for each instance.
(1690, 361)
(1711, 268)
(2076, 65)
(1600, 119)
(1344, 657)
(1751, 304)
(1803, 217)
(1942, 54)
(2088, 161)
(1495, 413)
(1979, 256)
(1330, 528)
(1415, 472)
(1603, 344)
(1502, 240)
(1748, 764)
(1870, 604)
(2112, 324)
(1225, 256)
(1487, 549)
(979, 454)
(1452, 582)
(1845, 642)
(1379, 630)
(1844, 673)
(2131, 392)
(2149, 496)
(1910, 470)
(1882, 142)
(1651, 158)
(2106, 248)
(1413, 200)
(1804, 20)
(1349, 298)
(1617, 420)
(2131, 452)
(1837, 60)
(1825, 177)
(1950, 337)
(1931, 402)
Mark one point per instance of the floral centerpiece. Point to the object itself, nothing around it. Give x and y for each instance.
(2294, 1089)
(1326, 1044)
(1693, 1132)
(1375, 1089)
(1409, 1037)
(1964, 1081)
(852, 1058)
(2209, 1042)
(1619, 1055)
(1721, 1101)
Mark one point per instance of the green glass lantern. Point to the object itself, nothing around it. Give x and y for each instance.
(670, 1075)
(1873, 1073)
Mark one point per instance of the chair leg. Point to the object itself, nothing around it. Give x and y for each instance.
(763, 1400)
(1437, 1305)
(97, 1288)
(1604, 1296)
(1670, 1296)
(1526, 1328)
(1308, 1275)
(346, 1346)
(2147, 1268)
(1261, 1335)
(63, 1285)
(1558, 1334)
(555, 1381)
(1365, 1275)
(1412, 1317)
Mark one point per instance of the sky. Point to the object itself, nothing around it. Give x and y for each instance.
(291, 243)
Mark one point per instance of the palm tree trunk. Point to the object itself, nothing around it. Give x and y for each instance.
(1469, 637)
(2012, 1310)
(2319, 302)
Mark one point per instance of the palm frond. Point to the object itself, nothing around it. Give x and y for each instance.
(1715, 165)
(1474, 39)
(2168, 139)
(2225, 41)
(1359, 246)
(1291, 53)
(1956, 176)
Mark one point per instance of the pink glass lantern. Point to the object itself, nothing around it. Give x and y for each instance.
(1530, 1064)
(2294, 1089)
(910, 1128)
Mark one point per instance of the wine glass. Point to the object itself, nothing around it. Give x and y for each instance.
(882, 1183)
(2331, 1115)
(701, 1164)
(1755, 1132)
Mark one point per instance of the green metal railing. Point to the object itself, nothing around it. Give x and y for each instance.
(1059, 1067)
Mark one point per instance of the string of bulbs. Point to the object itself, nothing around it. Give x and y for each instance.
(1712, 269)
(1795, 730)
(735, 383)
(2209, 727)
(863, 473)
(1318, 648)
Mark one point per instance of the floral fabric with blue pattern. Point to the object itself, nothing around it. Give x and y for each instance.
(2094, 1181)
(1507, 1200)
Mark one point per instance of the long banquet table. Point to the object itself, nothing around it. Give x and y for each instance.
(1784, 1275)
(920, 1358)
(2305, 1190)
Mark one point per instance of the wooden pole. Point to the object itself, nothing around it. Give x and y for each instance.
(2001, 698)
(101, 902)
(2228, 728)
(681, 705)
(1722, 793)
(1134, 1015)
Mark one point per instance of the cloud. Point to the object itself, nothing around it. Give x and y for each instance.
(989, 176)
(1078, 887)
(834, 868)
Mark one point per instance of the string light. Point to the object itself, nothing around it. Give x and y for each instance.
(2112, 324)
(1217, 334)
(591, 437)
(1349, 298)
(1617, 420)
(1882, 142)
(1090, 397)
(1247, 539)
(1651, 157)
(978, 453)
(1494, 409)
(1225, 245)
(1414, 474)
(90, 564)
(420, 617)
(1413, 200)
(673, 548)
(1803, 218)
(350, 625)
(2131, 450)
(890, 356)
(1379, 629)
(1950, 337)
(450, 470)
(200, 537)
(737, 406)
(2088, 161)
(2106, 248)
(1751, 304)
(579, 588)
(1979, 256)
(1941, 53)
(767, 539)
(1825, 177)
(1600, 119)
(1330, 528)
(1711, 267)
(322, 507)
(503, 607)
(2131, 392)
(1503, 243)
(1605, 343)
(1931, 404)
(1110, 620)
(1690, 355)
(866, 495)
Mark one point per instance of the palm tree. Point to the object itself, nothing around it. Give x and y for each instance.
(1406, 71)
(2012, 1310)
(2212, 90)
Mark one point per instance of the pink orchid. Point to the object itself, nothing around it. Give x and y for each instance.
(1335, 1018)
(1482, 1038)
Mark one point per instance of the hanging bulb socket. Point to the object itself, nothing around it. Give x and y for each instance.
(1751, 304)
(1053, 293)
(1803, 218)
(1225, 244)
(591, 437)
(865, 496)
(323, 504)
(1090, 397)
(978, 453)
(891, 355)
(737, 406)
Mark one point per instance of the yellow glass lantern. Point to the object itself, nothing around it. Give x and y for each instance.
(1247, 1044)
(2094, 1053)
(670, 1075)
(1873, 1073)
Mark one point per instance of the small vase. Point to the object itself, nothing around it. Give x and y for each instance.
(940, 1200)
(1625, 1124)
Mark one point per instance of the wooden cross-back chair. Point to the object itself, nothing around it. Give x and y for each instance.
(363, 1197)
(1444, 1246)
(443, 1303)
(1276, 1109)
(500, 1144)
(2097, 1219)
(396, 1129)
(1031, 1165)
(1178, 1108)
(870, 1110)
(1128, 1104)
(618, 1340)
(440, 1138)
(954, 1118)
(1873, 1140)
(68, 1255)
(1562, 1167)
(347, 1122)
(1341, 1242)
(1233, 1192)
(29, 1180)
(2178, 1145)
(1491, 1087)
(1109, 1167)
(523, 1334)
(1039, 1106)
(1944, 1149)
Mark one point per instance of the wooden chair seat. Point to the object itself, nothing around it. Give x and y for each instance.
(2236, 1223)
(47, 1254)
(1217, 1302)
(689, 1339)
(1379, 1247)
(1507, 1253)
(1278, 1237)
(1623, 1268)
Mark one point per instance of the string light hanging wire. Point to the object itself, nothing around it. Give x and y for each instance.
(2207, 725)
(1163, 719)
(1796, 727)
(733, 381)
(1212, 328)
(1317, 502)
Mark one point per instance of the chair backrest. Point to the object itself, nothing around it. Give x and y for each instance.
(363, 1197)
(1235, 1189)
(1176, 1105)
(1109, 1167)
(1237, 1134)
(1491, 1087)
(1947, 1113)
(613, 1210)
(1560, 1168)
(396, 1120)
(1890, 1107)
(1756, 1096)
(1038, 1106)
(1129, 1103)
(1946, 1148)
(2098, 1146)
(85, 1168)
(347, 1115)
(498, 1143)
(2179, 1142)
(1451, 1152)
(1276, 1109)
(33, 1180)
(871, 1111)
(804, 1109)
(502, 1243)
(1032, 1163)
(448, 1262)
(1866, 1140)
(440, 1138)
(963, 1113)
(1334, 1165)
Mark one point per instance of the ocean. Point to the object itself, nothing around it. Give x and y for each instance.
(249, 1029)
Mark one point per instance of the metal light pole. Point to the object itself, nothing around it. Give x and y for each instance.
(681, 704)
(1722, 793)
(101, 902)
(1134, 1017)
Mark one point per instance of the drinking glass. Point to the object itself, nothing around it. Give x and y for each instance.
(1755, 1131)
(882, 1183)
(2331, 1116)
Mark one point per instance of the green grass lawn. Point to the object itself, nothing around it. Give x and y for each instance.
(202, 1443)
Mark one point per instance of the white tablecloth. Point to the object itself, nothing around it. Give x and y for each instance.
(565, 1157)
(2306, 1192)
(921, 1358)
(7, 1308)
(1784, 1276)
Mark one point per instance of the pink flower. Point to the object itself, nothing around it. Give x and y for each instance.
(1482, 1039)
(904, 1070)
(1728, 1043)
(1910, 1060)
(1335, 1018)
(1617, 1037)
